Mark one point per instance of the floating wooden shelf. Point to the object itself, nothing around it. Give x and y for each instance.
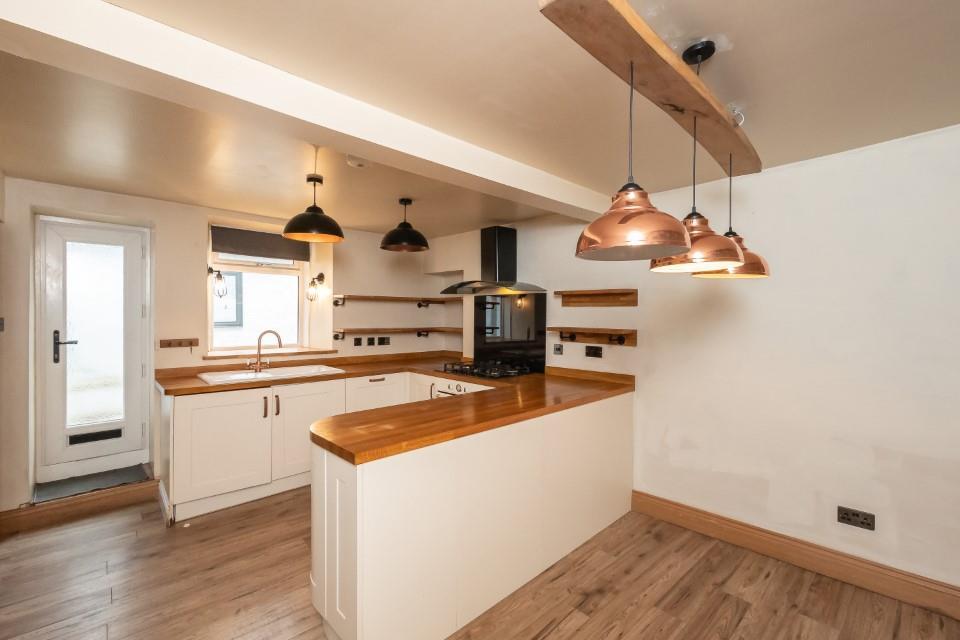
(596, 335)
(613, 33)
(598, 297)
(340, 300)
(421, 332)
(168, 343)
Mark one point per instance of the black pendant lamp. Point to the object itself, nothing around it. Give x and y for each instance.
(313, 225)
(404, 237)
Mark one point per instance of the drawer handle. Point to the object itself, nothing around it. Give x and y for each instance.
(264, 406)
(377, 379)
(277, 412)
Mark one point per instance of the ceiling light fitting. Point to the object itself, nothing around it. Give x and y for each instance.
(708, 251)
(754, 266)
(313, 225)
(404, 238)
(632, 228)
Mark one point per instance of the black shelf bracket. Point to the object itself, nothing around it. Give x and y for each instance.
(339, 301)
(617, 339)
(423, 303)
(568, 337)
(339, 335)
(423, 334)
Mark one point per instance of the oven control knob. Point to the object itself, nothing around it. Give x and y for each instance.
(459, 388)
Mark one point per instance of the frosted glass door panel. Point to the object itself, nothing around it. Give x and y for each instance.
(94, 318)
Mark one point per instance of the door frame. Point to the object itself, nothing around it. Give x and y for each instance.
(58, 471)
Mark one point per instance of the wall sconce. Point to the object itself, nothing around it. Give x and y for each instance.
(313, 289)
(520, 299)
(219, 284)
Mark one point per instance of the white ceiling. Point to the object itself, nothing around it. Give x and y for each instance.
(62, 127)
(813, 77)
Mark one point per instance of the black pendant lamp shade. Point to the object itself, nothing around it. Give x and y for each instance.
(313, 225)
(404, 237)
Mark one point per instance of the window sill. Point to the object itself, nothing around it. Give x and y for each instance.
(226, 354)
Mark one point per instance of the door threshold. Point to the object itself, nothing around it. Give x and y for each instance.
(69, 487)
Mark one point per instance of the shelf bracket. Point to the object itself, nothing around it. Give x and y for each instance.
(423, 334)
(617, 339)
(339, 301)
(568, 337)
(339, 335)
(423, 303)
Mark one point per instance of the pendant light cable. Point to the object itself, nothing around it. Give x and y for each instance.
(316, 152)
(730, 196)
(404, 211)
(693, 207)
(630, 178)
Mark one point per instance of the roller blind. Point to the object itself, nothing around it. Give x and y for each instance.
(257, 243)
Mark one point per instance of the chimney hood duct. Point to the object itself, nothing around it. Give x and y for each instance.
(498, 266)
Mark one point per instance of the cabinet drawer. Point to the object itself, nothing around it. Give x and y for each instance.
(373, 391)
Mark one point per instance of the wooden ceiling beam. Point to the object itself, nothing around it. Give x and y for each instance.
(613, 33)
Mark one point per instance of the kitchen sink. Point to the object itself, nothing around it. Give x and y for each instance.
(245, 375)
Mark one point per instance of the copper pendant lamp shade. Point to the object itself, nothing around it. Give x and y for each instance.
(632, 228)
(708, 251)
(404, 237)
(754, 266)
(313, 225)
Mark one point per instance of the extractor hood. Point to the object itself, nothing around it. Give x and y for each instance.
(498, 266)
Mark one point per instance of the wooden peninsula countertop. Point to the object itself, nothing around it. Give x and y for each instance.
(364, 436)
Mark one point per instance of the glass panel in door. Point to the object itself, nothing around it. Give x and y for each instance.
(94, 316)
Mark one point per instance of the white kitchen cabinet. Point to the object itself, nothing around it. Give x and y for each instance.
(371, 392)
(221, 443)
(294, 407)
(420, 387)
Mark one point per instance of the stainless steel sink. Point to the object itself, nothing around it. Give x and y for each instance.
(245, 375)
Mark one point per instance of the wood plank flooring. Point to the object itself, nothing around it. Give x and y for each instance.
(242, 573)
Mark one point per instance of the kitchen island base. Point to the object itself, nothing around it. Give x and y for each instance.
(416, 545)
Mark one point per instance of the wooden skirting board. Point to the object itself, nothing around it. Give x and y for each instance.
(56, 511)
(908, 587)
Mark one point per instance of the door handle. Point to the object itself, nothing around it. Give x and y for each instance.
(56, 345)
(433, 385)
(277, 398)
(264, 406)
(376, 379)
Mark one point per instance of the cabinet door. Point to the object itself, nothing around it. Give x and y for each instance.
(294, 408)
(375, 391)
(221, 443)
(421, 387)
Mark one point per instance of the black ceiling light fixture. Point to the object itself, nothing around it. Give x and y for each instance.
(313, 225)
(404, 237)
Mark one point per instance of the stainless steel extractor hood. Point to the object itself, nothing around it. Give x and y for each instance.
(498, 266)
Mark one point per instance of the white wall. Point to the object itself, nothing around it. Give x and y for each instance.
(362, 267)
(832, 383)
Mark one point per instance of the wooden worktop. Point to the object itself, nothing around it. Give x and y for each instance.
(364, 436)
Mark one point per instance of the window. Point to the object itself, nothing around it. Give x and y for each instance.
(262, 293)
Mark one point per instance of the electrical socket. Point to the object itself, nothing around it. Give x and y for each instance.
(558, 349)
(371, 342)
(856, 518)
(593, 351)
(383, 341)
(358, 342)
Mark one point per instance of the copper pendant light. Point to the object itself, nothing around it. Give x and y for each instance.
(313, 225)
(404, 237)
(754, 266)
(632, 228)
(708, 251)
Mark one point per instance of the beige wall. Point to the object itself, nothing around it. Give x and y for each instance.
(362, 267)
(835, 382)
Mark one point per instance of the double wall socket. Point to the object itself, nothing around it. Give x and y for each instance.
(856, 518)
(594, 352)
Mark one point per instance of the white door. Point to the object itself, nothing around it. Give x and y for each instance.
(295, 408)
(221, 443)
(92, 346)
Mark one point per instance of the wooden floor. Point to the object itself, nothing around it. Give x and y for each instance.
(242, 573)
